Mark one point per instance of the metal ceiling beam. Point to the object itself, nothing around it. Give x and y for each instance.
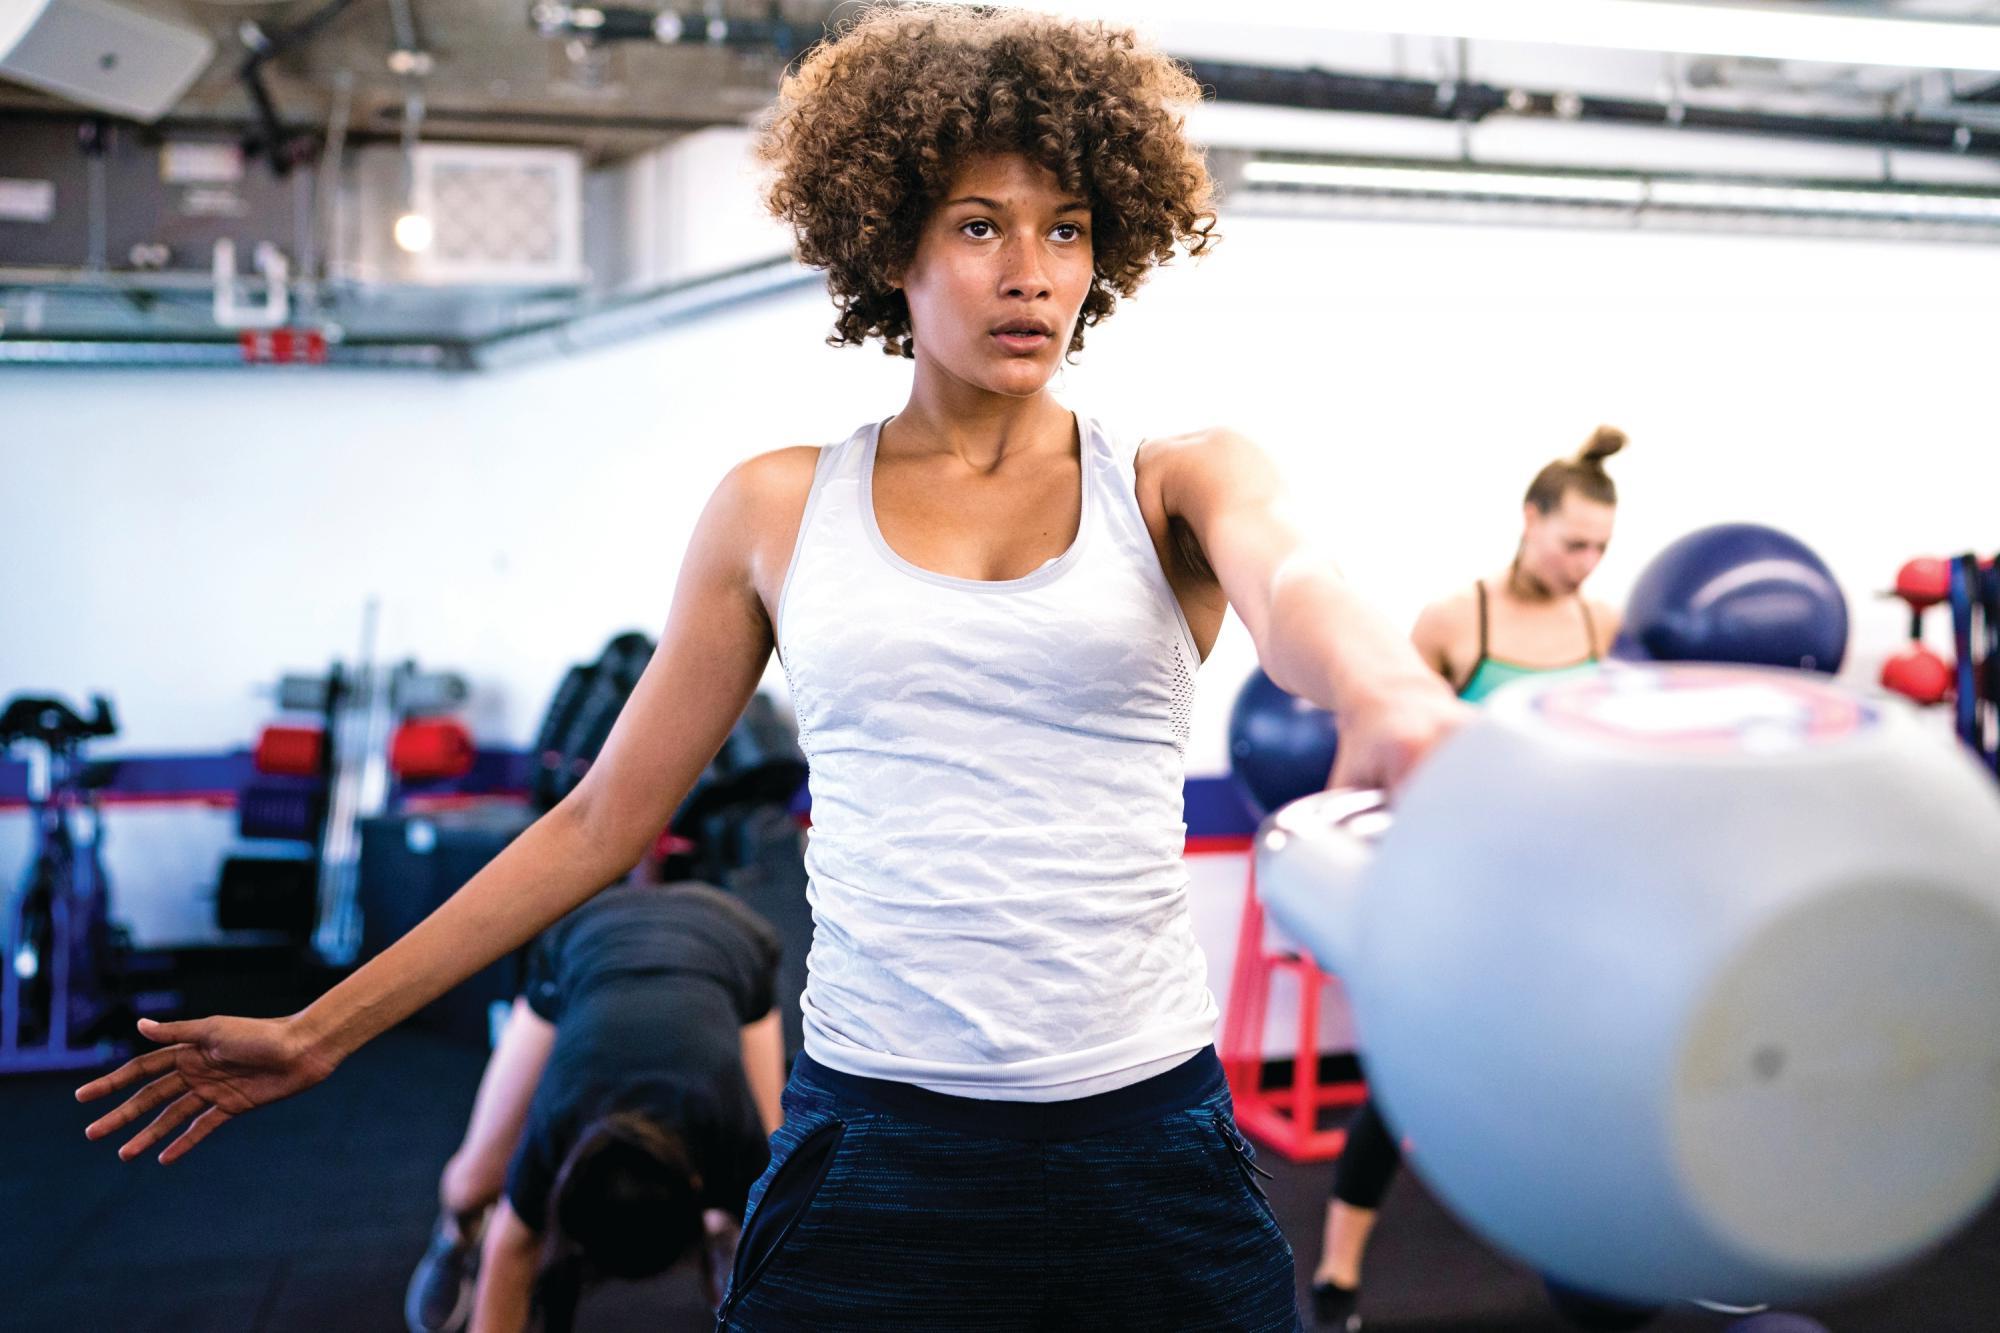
(1330, 90)
(591, 328)
(156, 354)
(636, 316)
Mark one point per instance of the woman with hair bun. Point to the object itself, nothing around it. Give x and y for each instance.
(1532, 617)
(1529, 620)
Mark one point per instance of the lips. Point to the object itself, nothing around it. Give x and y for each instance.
(1023, 337)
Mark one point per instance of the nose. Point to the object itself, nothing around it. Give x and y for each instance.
(1024, 270)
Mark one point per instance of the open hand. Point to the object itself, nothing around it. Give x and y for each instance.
(208, 1071)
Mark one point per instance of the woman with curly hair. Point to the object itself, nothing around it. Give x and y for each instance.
(1008, 1114)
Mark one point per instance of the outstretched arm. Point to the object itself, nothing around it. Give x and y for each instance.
(712, 652)
(1314, 634)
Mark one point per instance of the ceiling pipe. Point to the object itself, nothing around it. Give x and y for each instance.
(671, 27)
(284, 150)
(1329, 90)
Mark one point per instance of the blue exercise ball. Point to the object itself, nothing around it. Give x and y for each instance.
(1741, 593)
(1280, 746)
(1776, 1322)
(1598, 1314)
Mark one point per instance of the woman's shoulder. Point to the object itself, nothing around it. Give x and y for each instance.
(1606, 620)
(1446, 632)
(1456, 607)
(753, 517)
(1205, 446)
(1211, 461)
(771, 483)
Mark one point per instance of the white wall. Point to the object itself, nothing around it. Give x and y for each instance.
(177, 539)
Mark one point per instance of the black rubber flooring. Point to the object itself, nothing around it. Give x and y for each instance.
(308, 1215)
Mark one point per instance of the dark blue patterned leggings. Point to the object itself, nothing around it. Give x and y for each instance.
(888, 1207)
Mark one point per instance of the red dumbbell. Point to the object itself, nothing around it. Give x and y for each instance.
(290, 751)
(1924, 581)
(1918, 674)
(431, 747)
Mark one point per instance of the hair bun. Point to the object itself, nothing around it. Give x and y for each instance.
(1603, 442)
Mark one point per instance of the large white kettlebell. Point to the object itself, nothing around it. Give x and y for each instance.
(1682, 981)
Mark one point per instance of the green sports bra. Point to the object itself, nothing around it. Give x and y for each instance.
(1493, 672)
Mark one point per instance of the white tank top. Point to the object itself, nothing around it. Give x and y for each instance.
(1000, 908)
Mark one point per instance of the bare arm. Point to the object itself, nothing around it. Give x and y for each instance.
(477, 1172)
(713, 650)
(507, 1264)
(711, 654)
(764, 1067)
(1314, 634)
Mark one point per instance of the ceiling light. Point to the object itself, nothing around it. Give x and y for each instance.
(1765, 197)
(1675, 193)
(414, 233)
(1446, 180)
(1843, 38)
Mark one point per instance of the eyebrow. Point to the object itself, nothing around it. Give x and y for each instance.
(1068, 206)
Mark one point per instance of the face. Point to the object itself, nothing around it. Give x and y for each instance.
(1001, 269)
(1562, 547)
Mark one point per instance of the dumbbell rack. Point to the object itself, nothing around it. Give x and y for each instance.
(359, 730)
(370, 725)
(365, 707)
(1969, 587)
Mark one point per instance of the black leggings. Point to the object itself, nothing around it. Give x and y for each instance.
(1369, 1161)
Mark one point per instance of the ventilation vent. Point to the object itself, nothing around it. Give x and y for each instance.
(500, 216)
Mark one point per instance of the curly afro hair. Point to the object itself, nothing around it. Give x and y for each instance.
(870, 129)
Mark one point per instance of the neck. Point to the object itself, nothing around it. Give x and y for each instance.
(1524, 585)
(983, 429)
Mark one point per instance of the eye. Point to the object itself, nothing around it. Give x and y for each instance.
(985, 229)
(1068, 231)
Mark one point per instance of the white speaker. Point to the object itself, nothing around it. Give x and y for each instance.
(100, 54)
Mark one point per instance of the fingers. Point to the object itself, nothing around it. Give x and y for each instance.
(204, 1125)
(157, 1093)
(1403, 761)
(1357, 765)
(149, 1065)
(168, 1033)
(169, 1120)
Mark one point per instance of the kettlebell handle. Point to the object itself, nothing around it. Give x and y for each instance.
(1312, 857)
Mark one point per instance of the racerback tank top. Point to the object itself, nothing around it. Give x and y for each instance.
(1000, 908)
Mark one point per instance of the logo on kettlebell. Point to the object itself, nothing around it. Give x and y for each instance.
(1702, 709)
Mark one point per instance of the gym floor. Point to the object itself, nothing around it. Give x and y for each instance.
(310, 1215)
